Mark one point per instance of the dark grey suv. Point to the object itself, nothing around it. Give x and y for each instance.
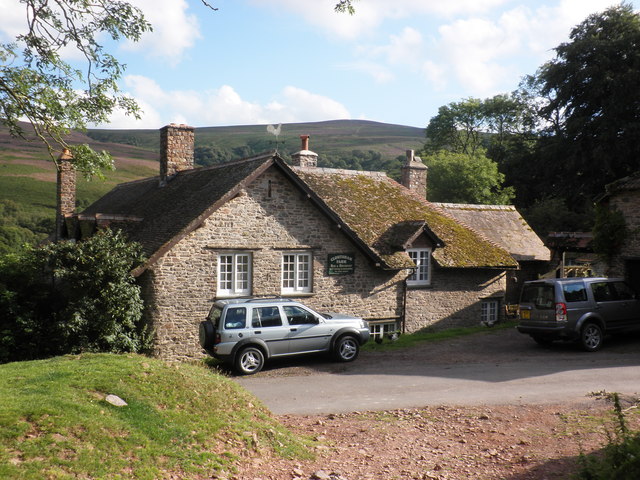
(245, 332)
(582, 309)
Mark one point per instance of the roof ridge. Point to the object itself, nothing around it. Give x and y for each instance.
(341, 171)
(475, 206)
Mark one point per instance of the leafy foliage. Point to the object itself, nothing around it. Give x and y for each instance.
(71, 297)
(591, 104)
(609, 231)
(463, 178)
(620, 458)
(36, 82)
(18, 227)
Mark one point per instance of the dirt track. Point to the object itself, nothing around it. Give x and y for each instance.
(446, 442)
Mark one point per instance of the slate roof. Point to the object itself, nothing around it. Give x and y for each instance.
(503, 225)
(166, 214)
(383, 214)
(380, 216)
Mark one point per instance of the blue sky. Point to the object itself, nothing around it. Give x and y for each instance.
(282, 61)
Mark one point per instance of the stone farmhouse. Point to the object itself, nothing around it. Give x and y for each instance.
(338, 240)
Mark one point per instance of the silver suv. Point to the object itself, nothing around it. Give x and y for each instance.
(582, 309)
(245, 332)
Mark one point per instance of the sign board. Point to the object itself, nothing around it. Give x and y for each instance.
(341, 263)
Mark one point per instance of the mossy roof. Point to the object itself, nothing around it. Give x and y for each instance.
(503, 225)
(372, 205)
(379, 215)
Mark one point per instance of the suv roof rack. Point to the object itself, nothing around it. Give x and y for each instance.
(270, 299)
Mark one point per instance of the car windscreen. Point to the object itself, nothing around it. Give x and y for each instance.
(540, 295)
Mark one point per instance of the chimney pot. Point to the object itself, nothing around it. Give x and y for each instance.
(305, 157)
(305, 142)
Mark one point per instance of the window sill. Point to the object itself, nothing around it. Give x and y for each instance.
(419, 286)
(297, 294)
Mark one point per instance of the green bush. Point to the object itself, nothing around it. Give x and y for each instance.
(620, 458)
(71, 297)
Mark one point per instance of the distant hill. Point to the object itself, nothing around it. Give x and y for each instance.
(330, 137)
(28, 178)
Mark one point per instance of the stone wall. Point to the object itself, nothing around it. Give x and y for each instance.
(267, 219)
(628, 202)
(453, 298)
(176, 150)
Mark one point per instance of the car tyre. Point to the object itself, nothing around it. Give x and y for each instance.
(249, 360)
(591, 337)
(206, 335)
(346, 349)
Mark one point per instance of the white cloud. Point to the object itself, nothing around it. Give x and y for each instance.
(222, 106)
(174, 29)
(371, 13)
(14, 21)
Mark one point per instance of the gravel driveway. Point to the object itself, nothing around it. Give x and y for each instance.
(495, 367)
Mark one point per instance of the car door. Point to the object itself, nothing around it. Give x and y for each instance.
(307, 331)
(628, 305)
(268, 326)
(608, 306)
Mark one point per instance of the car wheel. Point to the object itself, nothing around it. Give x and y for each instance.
(249, 360)
(591, 337)
(206, 335)
(346, 349)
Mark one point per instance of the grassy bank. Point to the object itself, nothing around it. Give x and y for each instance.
(179, 420)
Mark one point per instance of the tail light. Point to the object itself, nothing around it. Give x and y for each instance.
(561, 312)
(218, 339)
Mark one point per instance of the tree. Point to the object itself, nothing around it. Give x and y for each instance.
(36, 82)
(71, 297)
(593, 102)
(461, 178)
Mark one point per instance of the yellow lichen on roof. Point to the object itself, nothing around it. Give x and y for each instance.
(371, 205)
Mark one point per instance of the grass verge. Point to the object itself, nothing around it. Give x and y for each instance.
(429, 335)
(180, 420)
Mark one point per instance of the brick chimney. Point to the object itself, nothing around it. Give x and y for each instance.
(305, 157)
(65, 191)
(176, 150)
(414, 174)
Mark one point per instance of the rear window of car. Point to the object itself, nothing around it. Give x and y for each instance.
(214, 315)
(574, 292)
(541, 295)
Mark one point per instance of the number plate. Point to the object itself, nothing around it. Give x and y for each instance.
(525, 314)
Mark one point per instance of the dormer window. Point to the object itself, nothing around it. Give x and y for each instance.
(422, 274)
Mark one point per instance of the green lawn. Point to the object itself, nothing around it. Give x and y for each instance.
(181, 420)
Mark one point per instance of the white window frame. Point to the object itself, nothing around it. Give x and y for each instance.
(296, 272)
(490, 310)
(422, 274)
(235, 272)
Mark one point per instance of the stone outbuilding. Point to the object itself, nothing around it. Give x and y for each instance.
(338, 240)
(504, 226)
(624, 195)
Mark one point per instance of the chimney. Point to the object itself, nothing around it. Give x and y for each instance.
(414, 174)
(65, 190)
(305, 157)
(176, 150)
